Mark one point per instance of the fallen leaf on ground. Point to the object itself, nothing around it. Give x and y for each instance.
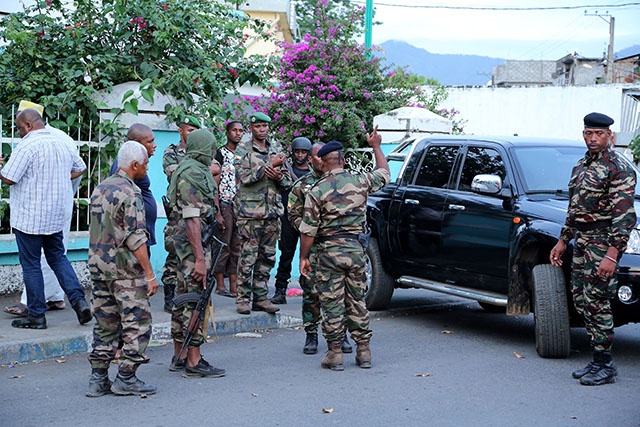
(327, 411)
(16, 377)
(518, 355)
(426, 374)
(446, 331)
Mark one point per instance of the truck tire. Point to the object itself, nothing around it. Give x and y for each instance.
(379, 284)
(551, 314)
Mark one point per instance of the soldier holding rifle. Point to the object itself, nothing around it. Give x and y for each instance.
(191, 195)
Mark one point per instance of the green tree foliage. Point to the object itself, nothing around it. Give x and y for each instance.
(190, 49)
(331, 86)
(334, 9)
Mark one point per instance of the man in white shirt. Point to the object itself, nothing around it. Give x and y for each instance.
(53, 293)
(39, 172)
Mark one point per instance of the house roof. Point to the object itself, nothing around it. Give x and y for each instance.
(637, 54)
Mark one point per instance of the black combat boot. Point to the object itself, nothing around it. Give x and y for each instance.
(280, 296)
(602, 372)
(127, 383)
(311, 344)
(346, 345)
(99, 383)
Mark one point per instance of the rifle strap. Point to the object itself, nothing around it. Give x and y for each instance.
(209, 313)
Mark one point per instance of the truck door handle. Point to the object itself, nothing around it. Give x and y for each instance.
(456, 207)
(412, 201)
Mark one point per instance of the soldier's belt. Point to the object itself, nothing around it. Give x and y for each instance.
(594, 225)
(336, 236)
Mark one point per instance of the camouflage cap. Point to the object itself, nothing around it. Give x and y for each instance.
(191, 121)
(259, 118)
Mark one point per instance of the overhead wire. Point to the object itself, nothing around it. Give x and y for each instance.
(567, 33)
(495, 8)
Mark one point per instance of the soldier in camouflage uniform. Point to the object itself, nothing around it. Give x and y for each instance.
(334, 217)
(258, 208)
(122, 277)
(171, 158)
(600, 218)
(310, 301)
(191, 196)
(295, 207)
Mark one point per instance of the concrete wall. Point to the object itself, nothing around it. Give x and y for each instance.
(550, 111)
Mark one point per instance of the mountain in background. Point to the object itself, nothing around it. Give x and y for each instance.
(452, 70)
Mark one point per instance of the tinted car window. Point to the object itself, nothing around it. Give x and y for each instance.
(436, 166)
(481, 160)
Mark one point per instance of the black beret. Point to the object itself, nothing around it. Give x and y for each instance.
(330, 147)
(597, 121)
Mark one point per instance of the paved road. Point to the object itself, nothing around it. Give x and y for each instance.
(437, 362)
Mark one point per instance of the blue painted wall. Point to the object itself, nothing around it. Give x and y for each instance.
(78, 246)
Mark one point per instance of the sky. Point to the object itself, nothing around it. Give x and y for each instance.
(509, 34)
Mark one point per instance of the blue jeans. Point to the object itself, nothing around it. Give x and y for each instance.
(30, 247)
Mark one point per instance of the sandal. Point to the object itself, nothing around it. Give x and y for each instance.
(55, 305)
(19, 310)
(224, 293)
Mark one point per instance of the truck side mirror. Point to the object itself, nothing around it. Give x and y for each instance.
(486, 184)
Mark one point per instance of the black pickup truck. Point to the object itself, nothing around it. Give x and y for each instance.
(476, 217)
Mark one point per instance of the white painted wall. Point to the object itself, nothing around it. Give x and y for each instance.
(551, 111)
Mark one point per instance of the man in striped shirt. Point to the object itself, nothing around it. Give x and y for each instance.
(39, 172)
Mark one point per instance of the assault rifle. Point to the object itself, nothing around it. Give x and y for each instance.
(201, 299)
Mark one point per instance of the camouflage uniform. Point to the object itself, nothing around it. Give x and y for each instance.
(334, 214)
(171, 158)
(600, 215)
(119, 291)
(189, 203)
(258, 208)
(295, 207)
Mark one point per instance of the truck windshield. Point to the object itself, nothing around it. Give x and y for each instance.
(547, 169)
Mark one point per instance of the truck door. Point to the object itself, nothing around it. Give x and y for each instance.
(418, 211)
(476, 228)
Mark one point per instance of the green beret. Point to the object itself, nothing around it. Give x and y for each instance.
(191, 121)
(259, 118)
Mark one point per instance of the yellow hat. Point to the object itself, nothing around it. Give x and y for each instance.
(27, 104)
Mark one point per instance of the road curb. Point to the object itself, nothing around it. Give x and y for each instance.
(73, 343)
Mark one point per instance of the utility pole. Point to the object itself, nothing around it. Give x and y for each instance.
(610, 58)
(368, 24)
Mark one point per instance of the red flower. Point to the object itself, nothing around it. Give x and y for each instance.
(233, 72)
